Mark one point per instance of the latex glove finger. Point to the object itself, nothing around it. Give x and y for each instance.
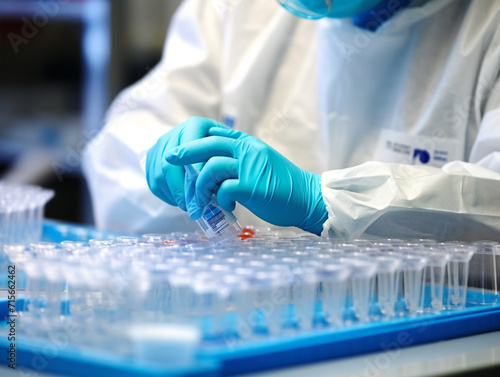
(165, 180)
(202, 150)
(172, 174)
(215, 171)
(192, 129)
(193, 209)
(225, 132)
(153, 174)
(157, 170)
(230, 192)
(196, 128)
(176, 174)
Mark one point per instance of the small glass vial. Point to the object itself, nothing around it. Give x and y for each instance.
(217, 223)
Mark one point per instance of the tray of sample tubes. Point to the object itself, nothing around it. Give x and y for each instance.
(21, 212)
(265, 299)
(21, 217)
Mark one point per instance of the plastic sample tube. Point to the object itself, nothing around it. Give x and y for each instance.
(217, 223)
(302, 293)
(235, 308)
(244, 303)
(413, 274)
(21, 212)
(268, 301)
(432, 292)
(35, 298)
(496, 256)
(332, 279)
(483, 274)
(458, 274)
(53, 277)
(209, 299)
(361, 283)
(75, 283)
(182, 293)
(159, 300)
(386, 283)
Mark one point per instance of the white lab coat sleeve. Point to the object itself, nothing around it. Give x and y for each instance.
(459, 202)
(185, 83)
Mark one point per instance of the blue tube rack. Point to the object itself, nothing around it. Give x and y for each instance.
(238, 358)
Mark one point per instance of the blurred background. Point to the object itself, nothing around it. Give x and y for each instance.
(61, 64)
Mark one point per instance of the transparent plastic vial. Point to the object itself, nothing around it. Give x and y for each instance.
(217, 223)
(333, 280)
(413, 267)
(432, 291)
(483, 272)
(386, 283)
(458, 273)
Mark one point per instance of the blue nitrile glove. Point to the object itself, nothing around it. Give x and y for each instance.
(166, 181)
(193, 209)
(242, 168)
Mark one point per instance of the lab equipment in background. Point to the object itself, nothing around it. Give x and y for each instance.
(21, 215)
(21, 212)
(52, 109)
(217, 223)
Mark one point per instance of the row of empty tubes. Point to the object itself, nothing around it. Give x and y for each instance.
(262, 284)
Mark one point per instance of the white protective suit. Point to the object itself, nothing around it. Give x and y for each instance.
(406, 119)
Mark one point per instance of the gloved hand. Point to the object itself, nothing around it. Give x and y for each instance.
(166, 181)
(242, 168)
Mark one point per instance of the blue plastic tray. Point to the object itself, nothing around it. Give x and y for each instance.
(55, 231)
(69, 361)
(233, 358)
(374, 337)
